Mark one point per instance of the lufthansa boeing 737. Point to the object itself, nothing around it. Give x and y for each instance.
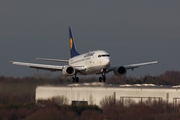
(93, 62)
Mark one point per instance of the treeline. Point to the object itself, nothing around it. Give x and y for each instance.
(23, 89)
(109, 110)
(10, 86)
(17, 100)
(167, 78)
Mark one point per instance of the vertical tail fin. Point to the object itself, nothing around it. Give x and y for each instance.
(72, 46)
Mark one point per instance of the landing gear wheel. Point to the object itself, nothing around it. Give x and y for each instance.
(75, 79)
(100, 79)
(104, 79)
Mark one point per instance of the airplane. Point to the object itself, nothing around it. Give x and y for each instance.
(92, 62)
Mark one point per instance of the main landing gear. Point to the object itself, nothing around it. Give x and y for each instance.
(102, 79)
(75, 79)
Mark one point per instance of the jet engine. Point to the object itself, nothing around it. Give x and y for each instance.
(68, 71)
(120, 71)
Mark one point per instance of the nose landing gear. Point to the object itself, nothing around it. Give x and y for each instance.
(103, 78)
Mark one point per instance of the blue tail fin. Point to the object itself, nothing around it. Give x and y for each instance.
(72, 46)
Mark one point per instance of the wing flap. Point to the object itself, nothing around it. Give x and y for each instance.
(39, 66)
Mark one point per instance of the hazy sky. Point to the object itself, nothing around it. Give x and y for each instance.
(132, 31)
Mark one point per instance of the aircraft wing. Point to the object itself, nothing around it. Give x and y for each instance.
(39, 66)
(54, 60)
(132, 66)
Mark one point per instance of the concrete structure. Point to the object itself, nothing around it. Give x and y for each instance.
(93, 94)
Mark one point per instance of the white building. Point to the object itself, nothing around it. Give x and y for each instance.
(94, 93)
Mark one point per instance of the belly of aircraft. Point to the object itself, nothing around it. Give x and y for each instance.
(93, 70)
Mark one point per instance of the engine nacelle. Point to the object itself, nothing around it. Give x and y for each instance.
(120, 71)
(68, 71)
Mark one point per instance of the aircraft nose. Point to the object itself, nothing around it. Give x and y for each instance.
(107, 62)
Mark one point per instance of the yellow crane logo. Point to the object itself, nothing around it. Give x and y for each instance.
(70, 43)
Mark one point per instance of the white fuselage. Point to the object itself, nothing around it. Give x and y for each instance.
(93, 62)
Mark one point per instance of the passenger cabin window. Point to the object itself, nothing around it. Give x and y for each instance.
(104, 55)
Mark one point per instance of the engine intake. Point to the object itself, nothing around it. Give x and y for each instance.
(120, 71)
(68, 71)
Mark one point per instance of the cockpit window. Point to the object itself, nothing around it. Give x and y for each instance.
(106, 55)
